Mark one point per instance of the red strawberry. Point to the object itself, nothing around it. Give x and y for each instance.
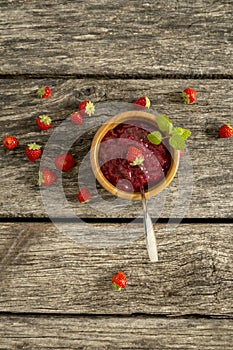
(84, 195)
(76, 118)
(33, 151)
(10, 142)
(189, 95)
(142, 102)
(119, 281)
(134, 156)
(46, 177)
(64, 162)
(43, 122)
(86, 108)
(225, 131)
(181, 153)
(44, 92)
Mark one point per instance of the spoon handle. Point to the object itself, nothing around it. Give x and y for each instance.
(149, 232)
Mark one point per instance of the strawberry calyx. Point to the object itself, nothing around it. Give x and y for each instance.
(116, 287)
(137, 161)
(142, 102)
(134, 156)
(33, 146)
(86, 107)
(147, 102)
(86, 201)
(185, 97)
(229, 127)
(82, 200)
(90, 108)
(45, 119)
(41, 91)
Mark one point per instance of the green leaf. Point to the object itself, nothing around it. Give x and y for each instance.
(177, 142)
(155, 137)
(184, 133)
(164, 123)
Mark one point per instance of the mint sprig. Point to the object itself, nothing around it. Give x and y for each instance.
(164, 123)
(155, 137)
(177, 142)
(177, 136)
(183, 133)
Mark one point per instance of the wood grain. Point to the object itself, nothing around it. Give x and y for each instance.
(31, 333)
(210, 157)
(45, 271)
(119, 38)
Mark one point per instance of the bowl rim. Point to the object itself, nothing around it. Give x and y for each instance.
(94, 156)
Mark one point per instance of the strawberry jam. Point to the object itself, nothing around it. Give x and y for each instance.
(118, 170)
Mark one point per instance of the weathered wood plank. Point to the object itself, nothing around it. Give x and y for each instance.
(114, 333)
(110, 38)
(44, 271)
(211, 158)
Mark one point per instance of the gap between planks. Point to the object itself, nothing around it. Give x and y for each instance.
(123, 316)
(123, 220)
(124, 76)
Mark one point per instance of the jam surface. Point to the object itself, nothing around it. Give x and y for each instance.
(118, 171)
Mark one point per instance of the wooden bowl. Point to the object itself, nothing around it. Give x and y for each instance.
(112, 123)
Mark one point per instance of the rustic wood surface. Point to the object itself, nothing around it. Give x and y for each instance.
(43, 270)
(55, 292)
(32, 333)
(210, 157)
(116, 38)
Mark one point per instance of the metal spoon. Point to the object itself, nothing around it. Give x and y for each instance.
(149, 231)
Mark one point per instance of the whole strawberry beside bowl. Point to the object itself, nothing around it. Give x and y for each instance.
(33, 151)
(189, 95)
(84, 195)
(64, 162)
(119, 281)
(10, 142)
(76, 118)
(86, 108)
(46, 177)
(44, 92)
(225, 131)
(44, 122)
(142, 102)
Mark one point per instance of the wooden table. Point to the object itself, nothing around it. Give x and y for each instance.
(55, 293)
